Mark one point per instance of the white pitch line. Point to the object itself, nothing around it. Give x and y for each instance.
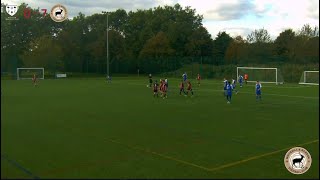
(251, 84)
(264, 85)
(283, 95)
(305, 97)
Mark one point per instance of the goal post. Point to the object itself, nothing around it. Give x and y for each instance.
(310, 78)
(27, 73)
(264, 75)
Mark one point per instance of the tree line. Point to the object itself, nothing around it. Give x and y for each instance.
(154, 40)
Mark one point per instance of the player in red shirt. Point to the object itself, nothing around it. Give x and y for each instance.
(164, 89)
(246, 78)
(182, 88)
(155, 89)
(161, 87)
(34, 79)
(198, 79)
(189, 88)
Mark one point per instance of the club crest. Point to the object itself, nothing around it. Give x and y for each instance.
(297, 160)
(11, 9)
(59, 13)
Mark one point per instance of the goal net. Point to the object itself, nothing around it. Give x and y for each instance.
(264, 75)
(310, 77)
(27, 73)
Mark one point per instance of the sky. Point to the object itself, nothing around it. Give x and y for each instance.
(236, 17)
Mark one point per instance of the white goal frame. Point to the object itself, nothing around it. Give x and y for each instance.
(304, 78)
(19, 78)
(276, 69)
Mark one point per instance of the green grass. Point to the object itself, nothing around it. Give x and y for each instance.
(85, 128)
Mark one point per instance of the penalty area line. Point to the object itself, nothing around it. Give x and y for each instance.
(19, 166)
(267, 94)
(158, 154)
(259, 156)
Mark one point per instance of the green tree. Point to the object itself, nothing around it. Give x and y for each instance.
(73, 41)
(236, 51)
(259, 36)
(136, 24)
(285, 45)
(300, 47)
(220, 45)
(46, 52)
(200, 43)
(260, 47)
(308, 32)
(16, 36)
(156, 47)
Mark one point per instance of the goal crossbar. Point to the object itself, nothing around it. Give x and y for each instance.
(252, 68)
(255, 68)
(22, 78)
(305, 78)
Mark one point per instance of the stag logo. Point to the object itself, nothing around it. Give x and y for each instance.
(297, 160)
(58, 13)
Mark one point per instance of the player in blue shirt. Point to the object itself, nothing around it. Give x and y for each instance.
(258, 91)
(229, 92)
(240, 79)
(234, 85)
(184, 76)
(225, 83)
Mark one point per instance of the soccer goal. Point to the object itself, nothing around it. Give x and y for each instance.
(310, 78)
(27, 73)
(264, 75)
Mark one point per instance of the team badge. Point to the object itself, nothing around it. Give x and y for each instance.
(297, 160)
(59, 13)
(11, 9)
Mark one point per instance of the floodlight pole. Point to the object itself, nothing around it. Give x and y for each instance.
(108, 43)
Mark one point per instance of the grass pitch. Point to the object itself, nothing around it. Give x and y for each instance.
(86, 128)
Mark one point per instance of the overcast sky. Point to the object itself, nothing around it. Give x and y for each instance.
(236, 17)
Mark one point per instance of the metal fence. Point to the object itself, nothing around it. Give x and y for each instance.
(207, 67)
